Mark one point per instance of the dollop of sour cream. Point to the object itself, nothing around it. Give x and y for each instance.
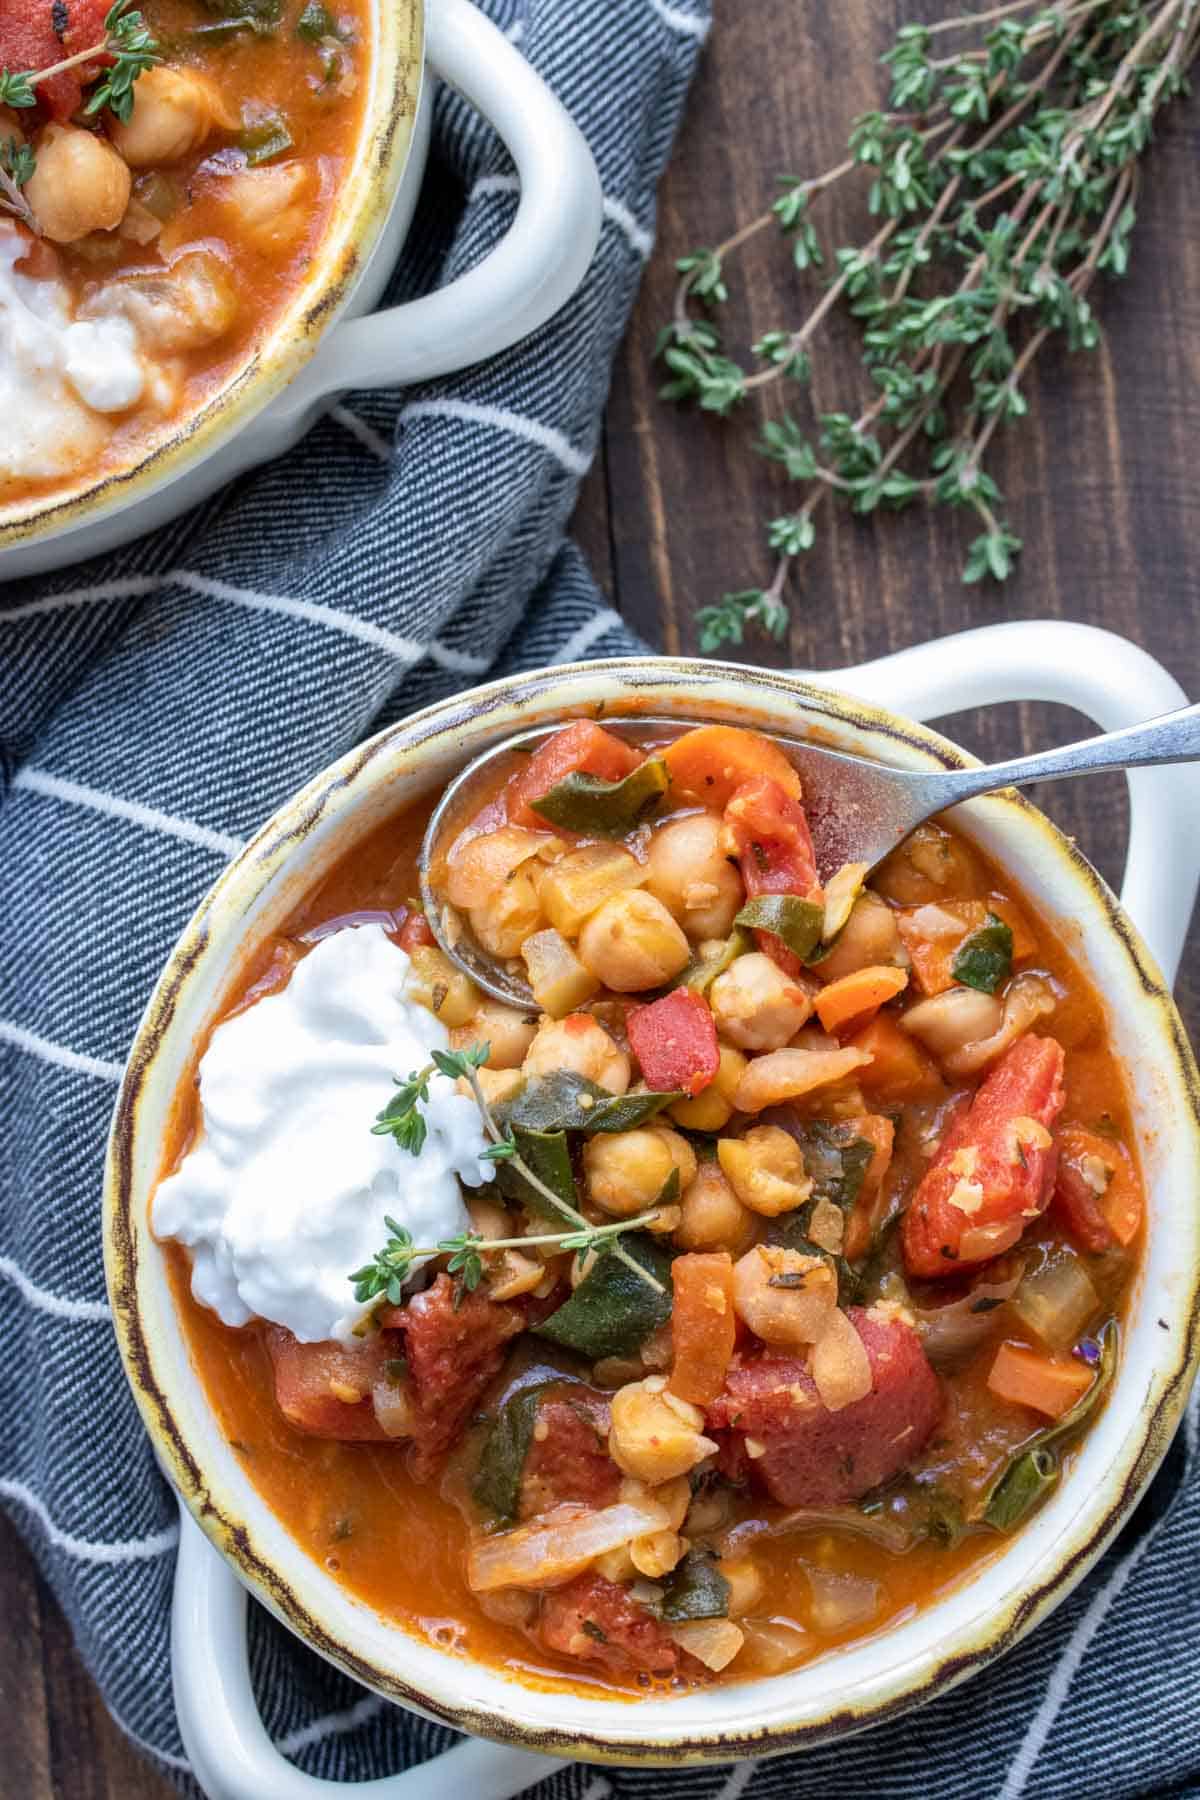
(286, 1189)
(56, 373)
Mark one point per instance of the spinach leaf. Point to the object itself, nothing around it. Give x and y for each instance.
(265, 139)
(1033, 1471)
(702, 971)
(568, 1102)
(696, 1589)
(612, 1312)
(315, 23)
(798, 922)
(984, 959)
(836, 1160)
(259, 13)
(497, 1483)
(610, 809)
(549, 1156)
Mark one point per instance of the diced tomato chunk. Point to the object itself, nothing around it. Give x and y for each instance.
(995, 1169)
(568, 1456)
(675, 1041)
(453, 1353)
(595, 1620)
(806, 1455)
(579, 749)
(769, 830)
(1096, 1189)
(325, 1389)
(37, 33)
(415, 932)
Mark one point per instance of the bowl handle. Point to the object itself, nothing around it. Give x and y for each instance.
(1113, 682)
(231, 1756)
(533, 270)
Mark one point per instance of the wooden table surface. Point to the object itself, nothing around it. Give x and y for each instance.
(1101, 487)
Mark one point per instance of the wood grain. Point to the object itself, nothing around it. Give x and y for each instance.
(1100, 485)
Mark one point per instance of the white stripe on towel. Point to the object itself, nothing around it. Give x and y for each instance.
(74, 793)
(132, 1550)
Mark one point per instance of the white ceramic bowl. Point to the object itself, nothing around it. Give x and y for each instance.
(321, 345)
(949, 1639)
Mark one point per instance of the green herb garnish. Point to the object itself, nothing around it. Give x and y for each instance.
(1002, 180)
(984, 959)
(17, 164)
(613, 1311)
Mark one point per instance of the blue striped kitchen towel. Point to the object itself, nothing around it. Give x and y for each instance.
(154, 709)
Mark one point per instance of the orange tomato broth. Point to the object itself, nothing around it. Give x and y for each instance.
(401, 1547)
(270, 73)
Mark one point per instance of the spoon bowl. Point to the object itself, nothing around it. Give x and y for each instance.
(858, 810)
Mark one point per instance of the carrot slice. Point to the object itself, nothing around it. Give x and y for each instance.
(578, 749)
(933, 953)
(703, 1325)
(864, 1219)
(858, 996)
(708, 764)
(899, 1069)
(1047, 1384)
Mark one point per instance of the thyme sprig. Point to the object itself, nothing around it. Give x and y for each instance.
(402, 1119)
(1005, 178)
(127, 39)
(390, 1267)
(16, 166)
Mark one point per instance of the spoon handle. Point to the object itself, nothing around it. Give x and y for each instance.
(1172, 737)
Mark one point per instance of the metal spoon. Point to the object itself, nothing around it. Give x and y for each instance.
(858, 810)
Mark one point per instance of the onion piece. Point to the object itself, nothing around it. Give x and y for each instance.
(393, 1407)
(840, 1365)
(714, 1642)
(1056, 1302)
(888, 1533)
(950, 1334)
(773, 1645)
(559, 1544)
(787, 1074)
(841, 1601)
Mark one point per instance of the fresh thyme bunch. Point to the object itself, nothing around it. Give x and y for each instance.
(1004, 179)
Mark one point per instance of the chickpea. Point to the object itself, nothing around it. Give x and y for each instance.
(487, 1219)
(579, 1044)
(79, 185)
(713, 1218)
(950, 1021)
(757, 1005)
(271, 203)
(174, 110)
(655, 1435)
(714, 1106)
(765, 1170)
(631, 943)
(496, 1084)
(930, 865)
(657, 1553)
(626, 1170)
(870, 938)
(511, 915)
(687, 871)
(787, 1316)
(507, 1033)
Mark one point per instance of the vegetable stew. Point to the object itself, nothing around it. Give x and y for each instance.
(160, 202)
(795, 1269)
